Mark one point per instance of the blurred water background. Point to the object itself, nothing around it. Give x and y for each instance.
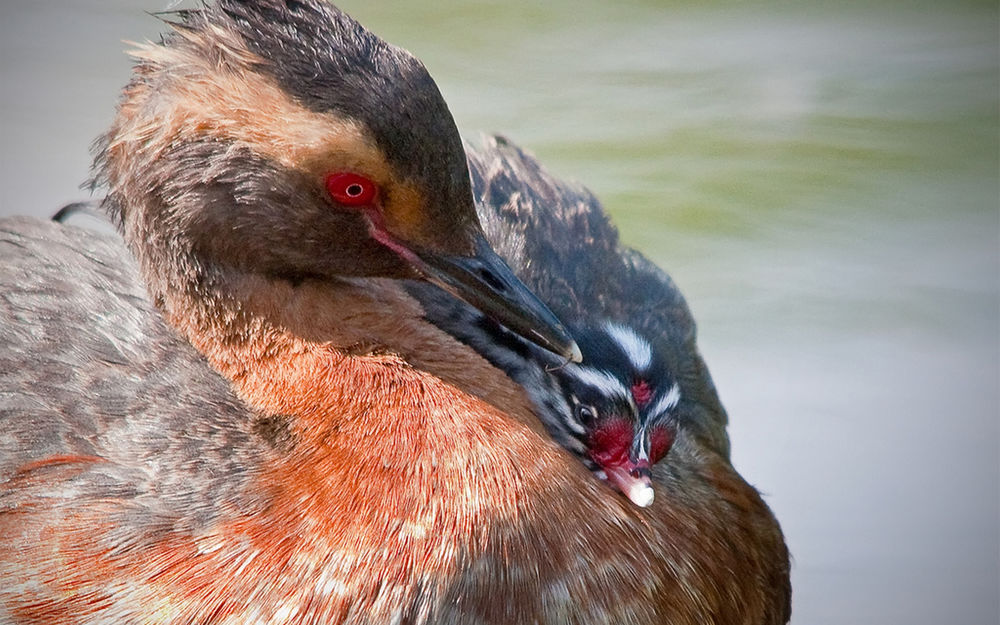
(820, 178)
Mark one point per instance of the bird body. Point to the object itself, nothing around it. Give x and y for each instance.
(238, 414)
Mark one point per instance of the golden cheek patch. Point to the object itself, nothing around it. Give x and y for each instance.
(406, 215)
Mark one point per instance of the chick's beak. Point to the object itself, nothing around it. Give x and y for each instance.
(634, 481)
(485, 281)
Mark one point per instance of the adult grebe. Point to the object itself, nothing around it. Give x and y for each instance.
(273, 434)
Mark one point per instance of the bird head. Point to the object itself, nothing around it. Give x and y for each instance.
(280, 138)
(615, 410)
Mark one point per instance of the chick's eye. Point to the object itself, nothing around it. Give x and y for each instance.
(350, 189)
(584, 413)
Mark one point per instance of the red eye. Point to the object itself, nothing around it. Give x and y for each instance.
(350, 189)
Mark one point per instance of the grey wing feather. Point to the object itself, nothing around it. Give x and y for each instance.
(92, 379)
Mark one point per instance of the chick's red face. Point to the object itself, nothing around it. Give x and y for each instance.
(626, 456)
(610, 442)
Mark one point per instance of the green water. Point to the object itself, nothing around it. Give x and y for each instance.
(822, 182)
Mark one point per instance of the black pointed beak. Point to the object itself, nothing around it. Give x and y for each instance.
(484, 281)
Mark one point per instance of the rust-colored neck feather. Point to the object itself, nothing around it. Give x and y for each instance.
(302, 349)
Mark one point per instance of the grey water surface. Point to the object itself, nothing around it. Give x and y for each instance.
(820, 178)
